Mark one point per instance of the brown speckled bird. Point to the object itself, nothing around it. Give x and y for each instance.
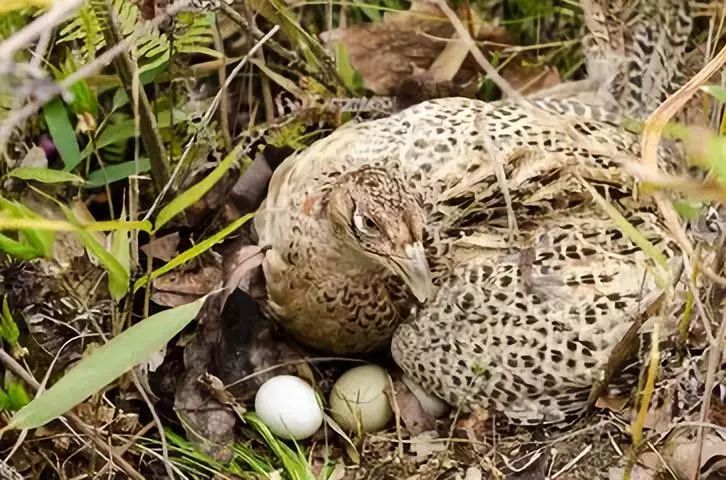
(503, 298)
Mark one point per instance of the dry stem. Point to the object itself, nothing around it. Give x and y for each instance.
(10, 363)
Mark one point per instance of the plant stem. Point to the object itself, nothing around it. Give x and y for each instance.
(148, 128)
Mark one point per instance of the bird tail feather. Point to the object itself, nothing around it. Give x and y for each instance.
(636, 50)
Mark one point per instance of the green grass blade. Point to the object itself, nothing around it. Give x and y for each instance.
(197, 191)
(193, 252)
(44, 175)
(114, 173)
(19, 250)
(104, 365)
(633, 234)
(40, 225)
(61, 130)
(40, 240)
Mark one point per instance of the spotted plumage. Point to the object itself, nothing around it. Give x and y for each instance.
(533, 283)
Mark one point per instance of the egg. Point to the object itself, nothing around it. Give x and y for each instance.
(289, 407)
(360, 394)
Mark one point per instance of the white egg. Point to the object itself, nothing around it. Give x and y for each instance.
(289, 407)
(360, 394)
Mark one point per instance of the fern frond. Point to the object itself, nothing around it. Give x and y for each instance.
(152, 48)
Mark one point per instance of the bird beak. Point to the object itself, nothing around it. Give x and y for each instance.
(413, 268)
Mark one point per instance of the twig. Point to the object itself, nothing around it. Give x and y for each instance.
(222, 77)
(157, 422)
(714, 360)
(266, 92)
(465, 37)
(45, 95)
(148, 128)
(208, 116)
(10, 363)
(573, 462)
(58, 12)
(128, 444)
(247, 26)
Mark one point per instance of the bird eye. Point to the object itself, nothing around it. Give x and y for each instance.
(363, 223)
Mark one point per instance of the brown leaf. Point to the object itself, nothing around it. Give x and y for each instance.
(684, 455)
(183, 286)
(406, 44)
(413, 416)
(614, 404)
(163, 248)
(425, 444)
(531, 79)
(240, 267)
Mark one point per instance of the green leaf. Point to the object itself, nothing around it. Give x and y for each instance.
(8, 328)
(193, 252)
(114, 173)
(19, 250)
(4, 400)
(687, 209)
(114, 133)
(196, 192)
(118, 277)
(40, 241)
(716, 91)
(120, 98)
(372, 13)
(17, 395)
(104, 365)
(44, 175)
(347, 72)
(61, 130)
(716, 156)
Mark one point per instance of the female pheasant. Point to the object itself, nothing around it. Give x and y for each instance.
(469, 229)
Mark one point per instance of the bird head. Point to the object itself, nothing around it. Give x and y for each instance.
(373, 212)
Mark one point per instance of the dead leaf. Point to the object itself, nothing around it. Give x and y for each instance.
(338, 472)
(423, 445)
(637, 473)
(186, 285)
(35, 158)
(164, 248)
(240, 266)
(683, 456)
(405, 44)
(412, 414)
(614, 404)
(473, 473)
(476, 422)
(528, 80)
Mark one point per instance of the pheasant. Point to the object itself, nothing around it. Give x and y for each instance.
(468, 232)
